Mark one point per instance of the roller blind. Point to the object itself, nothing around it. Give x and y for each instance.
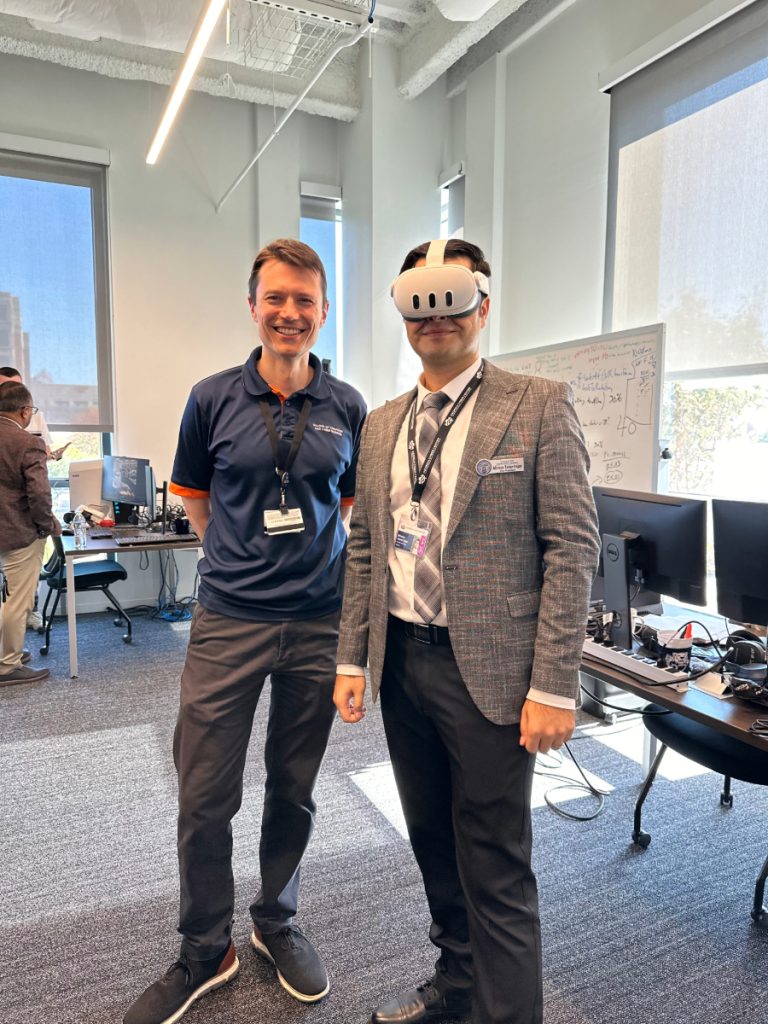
(688, 199)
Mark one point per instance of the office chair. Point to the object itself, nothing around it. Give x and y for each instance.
(723, 754)
(88, 576)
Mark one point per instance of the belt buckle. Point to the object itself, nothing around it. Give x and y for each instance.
(422, 633)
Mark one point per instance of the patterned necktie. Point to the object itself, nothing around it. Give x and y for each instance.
(426, 580)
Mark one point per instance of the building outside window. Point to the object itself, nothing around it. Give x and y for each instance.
(54, 298)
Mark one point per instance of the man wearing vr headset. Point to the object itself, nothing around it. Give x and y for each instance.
(473, 546)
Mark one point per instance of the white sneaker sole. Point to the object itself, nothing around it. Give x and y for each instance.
(259, 946)
(209, 986)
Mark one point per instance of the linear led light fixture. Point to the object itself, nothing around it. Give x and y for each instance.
(194, 52)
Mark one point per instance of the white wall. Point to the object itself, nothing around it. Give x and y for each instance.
(391, 159)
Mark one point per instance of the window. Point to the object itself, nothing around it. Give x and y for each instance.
(320, 227)
(452, 193)
(54, 297)
(688, 246)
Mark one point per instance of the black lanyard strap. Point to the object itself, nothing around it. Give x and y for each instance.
(420, 475)
(301, 425)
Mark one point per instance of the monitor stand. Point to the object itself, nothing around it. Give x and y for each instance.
(616, 574)
(616, 600)
(164, 513)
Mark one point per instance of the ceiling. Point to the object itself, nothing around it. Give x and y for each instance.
(274, 47)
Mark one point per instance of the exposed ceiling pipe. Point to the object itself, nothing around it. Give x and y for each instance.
(342, 45)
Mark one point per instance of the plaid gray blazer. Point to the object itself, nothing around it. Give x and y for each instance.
(520, 551)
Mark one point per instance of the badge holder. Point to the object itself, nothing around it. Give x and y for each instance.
(283, 519)
(410, 536)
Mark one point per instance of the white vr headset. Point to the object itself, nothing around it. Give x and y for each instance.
(438, 288)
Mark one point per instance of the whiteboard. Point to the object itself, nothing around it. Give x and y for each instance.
(616, 380)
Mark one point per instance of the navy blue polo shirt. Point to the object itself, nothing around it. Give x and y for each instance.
(224, 452)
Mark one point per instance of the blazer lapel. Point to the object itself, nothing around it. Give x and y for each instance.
(497, 401)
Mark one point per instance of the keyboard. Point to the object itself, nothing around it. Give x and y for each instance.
(633, 663)
(127, 539)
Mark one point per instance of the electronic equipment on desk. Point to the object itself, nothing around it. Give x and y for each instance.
(740, 534)
(128, 484)
(127, 539)
(649, 541)
(85, 483)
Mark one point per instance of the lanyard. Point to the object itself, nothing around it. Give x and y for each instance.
(418, 476)
(282, 471)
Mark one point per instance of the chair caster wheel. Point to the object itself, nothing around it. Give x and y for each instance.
(43, 650)
(642, 839)
(117, 622)
(726, 801)
(126, 638)
(759, 916)
(40, 630)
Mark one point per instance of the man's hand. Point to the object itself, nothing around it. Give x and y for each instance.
(348, 698)
(544, 728)
(58, 452)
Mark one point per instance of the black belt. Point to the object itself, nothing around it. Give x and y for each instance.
(421, 632)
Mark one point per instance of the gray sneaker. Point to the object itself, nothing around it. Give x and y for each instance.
(22, 674)
(299, 968)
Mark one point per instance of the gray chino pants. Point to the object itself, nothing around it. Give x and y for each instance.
(227, 663)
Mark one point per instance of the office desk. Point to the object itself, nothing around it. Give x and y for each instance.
(730, 716)
(102, 546)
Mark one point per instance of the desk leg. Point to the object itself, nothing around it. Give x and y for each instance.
(71, 616)
(650, 747)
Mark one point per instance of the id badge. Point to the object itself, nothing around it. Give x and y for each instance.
(411, 537)
(289, 520)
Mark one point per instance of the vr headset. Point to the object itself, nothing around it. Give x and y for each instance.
(438, 288)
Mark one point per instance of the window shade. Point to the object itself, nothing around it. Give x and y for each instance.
(688, 198)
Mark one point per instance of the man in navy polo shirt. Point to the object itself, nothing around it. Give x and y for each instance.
(265, 467)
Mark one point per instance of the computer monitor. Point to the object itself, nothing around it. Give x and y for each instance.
(129, 484)
(740, 531)
(85, 482)
(652, 541)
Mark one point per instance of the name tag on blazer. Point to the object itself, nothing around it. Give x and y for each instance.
(485, 467)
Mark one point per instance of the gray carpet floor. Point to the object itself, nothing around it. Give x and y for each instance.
(88, 885)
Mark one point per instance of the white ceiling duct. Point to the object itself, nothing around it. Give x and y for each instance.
(283, 36)
(463, 10)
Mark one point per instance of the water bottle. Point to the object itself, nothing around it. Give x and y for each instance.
(80, 530)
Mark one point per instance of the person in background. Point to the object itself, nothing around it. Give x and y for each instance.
(470, 605)
(265, 466)
(26, 520)
(39, 427)
(37, 424)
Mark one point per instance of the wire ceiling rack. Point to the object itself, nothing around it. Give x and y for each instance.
(292, 39)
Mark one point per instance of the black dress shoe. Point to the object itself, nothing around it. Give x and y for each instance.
(425, 1002)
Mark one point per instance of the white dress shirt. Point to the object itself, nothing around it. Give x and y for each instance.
(402, 563)
(39, 426)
